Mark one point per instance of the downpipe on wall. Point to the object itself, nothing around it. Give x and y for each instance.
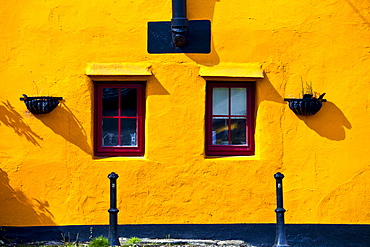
(179, 35)
(179, 22)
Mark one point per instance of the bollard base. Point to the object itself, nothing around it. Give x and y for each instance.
(114, 242)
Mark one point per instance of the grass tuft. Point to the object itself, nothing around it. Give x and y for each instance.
(99, 242)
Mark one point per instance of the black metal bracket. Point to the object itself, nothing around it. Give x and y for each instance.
(179, 35)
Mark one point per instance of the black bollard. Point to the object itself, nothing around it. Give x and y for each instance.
(280, 239)
(113, 211)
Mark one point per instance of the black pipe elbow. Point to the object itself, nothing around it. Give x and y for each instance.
(179, 22)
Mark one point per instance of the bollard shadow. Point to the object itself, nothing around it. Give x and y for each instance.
(17, 209)
(329, 122)
(11, 118)
(64, 123)
(207, 8)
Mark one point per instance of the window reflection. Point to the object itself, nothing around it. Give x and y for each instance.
(238, 131)
(220, 131)
(110, 101)
(220, 101)
(128, 132)
(238, 101)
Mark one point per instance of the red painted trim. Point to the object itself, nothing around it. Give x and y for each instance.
(230, 150)
(100, 150)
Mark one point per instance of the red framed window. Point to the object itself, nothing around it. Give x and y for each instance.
(230, 118)
(119, 118)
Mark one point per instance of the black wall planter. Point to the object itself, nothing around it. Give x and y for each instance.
(41, 104)
(307, 106)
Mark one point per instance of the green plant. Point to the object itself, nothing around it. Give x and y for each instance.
(132, 241)
(67, 241)
(99, 242)
(307, 88)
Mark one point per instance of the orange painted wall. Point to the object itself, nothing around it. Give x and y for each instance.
(49, 176)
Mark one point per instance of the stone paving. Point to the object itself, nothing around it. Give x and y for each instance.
(187, 242)
(146, 242)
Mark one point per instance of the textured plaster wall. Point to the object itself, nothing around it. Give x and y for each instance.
(48, 175)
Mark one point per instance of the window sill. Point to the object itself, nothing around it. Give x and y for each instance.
(121, 158)
(252, 157)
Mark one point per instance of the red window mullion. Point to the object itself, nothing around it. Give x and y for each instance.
(229, 118)
(138, 113)
(119, 117)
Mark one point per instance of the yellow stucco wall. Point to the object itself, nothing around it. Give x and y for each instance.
(48, 175)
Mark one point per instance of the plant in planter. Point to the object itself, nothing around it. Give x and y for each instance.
(308, 105)
(40, 104)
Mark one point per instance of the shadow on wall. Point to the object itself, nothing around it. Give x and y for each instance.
(267, 91)
(155, 87)
(208, 7)
(354, 194)
(64, 123)
(329, 122)
(358, 12)
(17, 209)
(11, 118)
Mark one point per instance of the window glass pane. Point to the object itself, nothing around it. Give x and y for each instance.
(238, 101)
(128, 132)
(110, 132)
(220, 129)
(220, 103)
(238, 131)
(110, 101)
(128, 102)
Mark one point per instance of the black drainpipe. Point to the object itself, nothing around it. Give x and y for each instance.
(179, 22)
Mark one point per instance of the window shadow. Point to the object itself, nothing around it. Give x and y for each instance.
(267, 92)
(11, 118)
(329, 122)
(64, 123)
(155, 87)
(18, 209)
